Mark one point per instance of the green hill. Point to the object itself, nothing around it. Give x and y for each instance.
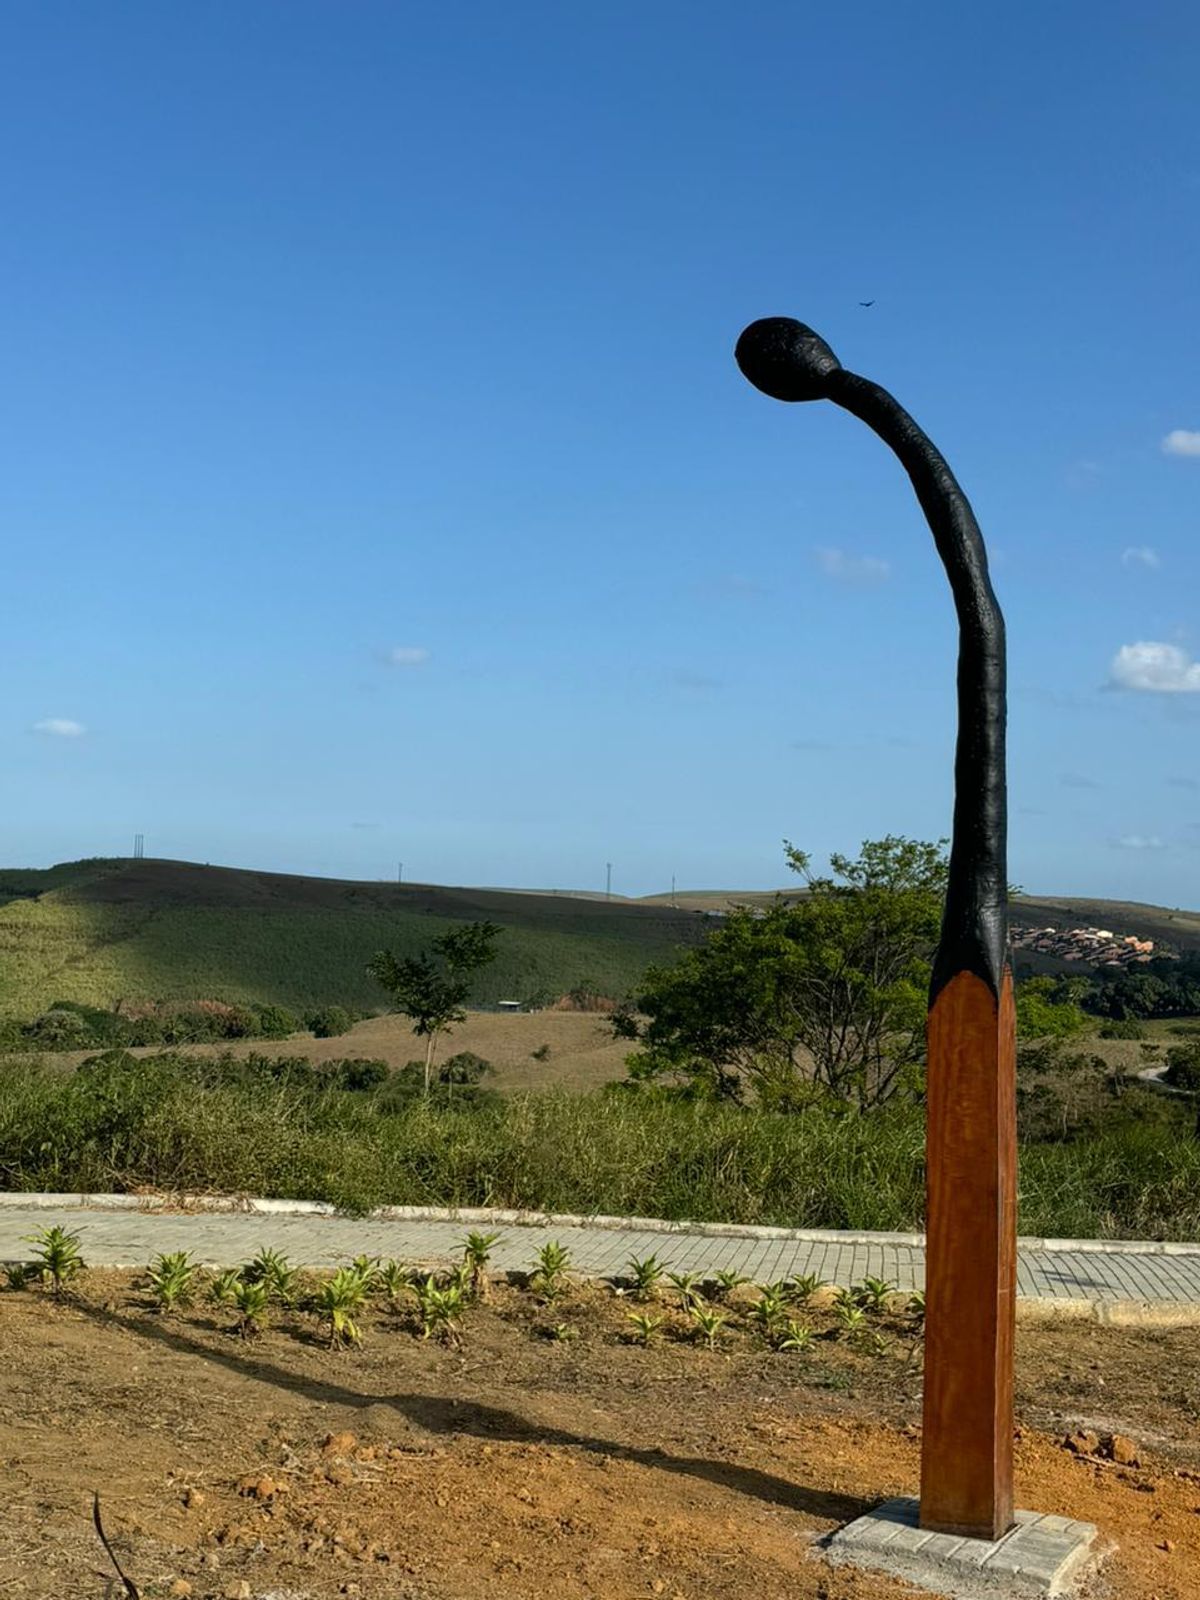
(108, 930)
(102, 931)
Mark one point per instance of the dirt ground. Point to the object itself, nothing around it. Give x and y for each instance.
(583, 1055)
(525, 1467)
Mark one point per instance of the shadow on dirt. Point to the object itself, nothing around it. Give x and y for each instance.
(437, 1414)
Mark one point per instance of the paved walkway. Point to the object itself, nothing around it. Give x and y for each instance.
(1107, 1278)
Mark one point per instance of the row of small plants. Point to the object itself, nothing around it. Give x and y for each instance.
(439, 1301)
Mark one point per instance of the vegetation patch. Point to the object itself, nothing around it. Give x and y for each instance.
(228, 1125)
(123, 931)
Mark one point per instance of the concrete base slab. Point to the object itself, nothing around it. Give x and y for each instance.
(1040, 1556)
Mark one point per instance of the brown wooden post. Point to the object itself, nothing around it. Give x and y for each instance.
(967, 1445)
(970, 1261)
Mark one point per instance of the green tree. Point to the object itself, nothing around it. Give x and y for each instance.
(1043, 1013)
(1183, 1066)
(1132, 995)
(432, 988)
(825, 993)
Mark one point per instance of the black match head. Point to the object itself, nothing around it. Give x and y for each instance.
(786, 359)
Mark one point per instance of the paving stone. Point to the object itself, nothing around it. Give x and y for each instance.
(1135, 1281)
(1039, 1558)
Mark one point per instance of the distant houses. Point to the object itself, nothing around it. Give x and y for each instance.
(1098, 947)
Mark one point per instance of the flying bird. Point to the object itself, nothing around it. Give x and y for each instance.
(866, 302)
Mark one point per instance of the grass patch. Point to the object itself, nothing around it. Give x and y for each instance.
(171, 1123)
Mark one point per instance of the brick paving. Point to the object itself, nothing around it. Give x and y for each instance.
(1142, 1274)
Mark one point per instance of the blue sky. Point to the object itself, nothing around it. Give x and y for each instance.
(379, 484)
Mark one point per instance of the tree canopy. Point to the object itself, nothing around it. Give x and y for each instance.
(821, 994)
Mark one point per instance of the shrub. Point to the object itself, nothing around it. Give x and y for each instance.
(329, 1022)
(103, 1027)
(1183, 1066)
(59, 1029)
(357, 1073)
(455, 1084)
(1129, 1028)
(146, 1029)
(276, 1022)
(463, 1069)
(200, 1021)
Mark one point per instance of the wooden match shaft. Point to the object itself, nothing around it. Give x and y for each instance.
(966, 1478)
(970, 1260)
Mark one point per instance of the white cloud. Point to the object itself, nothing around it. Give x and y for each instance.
(1141, 555)
(860, 570)
(60, 727)
(1138, 841)
(1154, 668)
(407, 655)
(1182, 442)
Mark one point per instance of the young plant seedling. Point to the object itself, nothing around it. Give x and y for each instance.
(803, 1286)
(870, 1341)
(645, 1327)
(366, 1269)
(393, 1280)
(916, 1323)
(548, 1277)
(339, 1300)
(57, 1258)
(684, 1285)
(793, 1336)
(561, 1332)
(768, 1311)
(441, 1308)
(275, 1272)
(171, 1278)
(18, 1274)
(727, 1282)
(708, 1322)
(873, 1294)
(645, 1274)
(250, 1301)
(851, 1316)
(477, 1252)
(223, 1288)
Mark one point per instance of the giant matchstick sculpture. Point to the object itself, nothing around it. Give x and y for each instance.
(967, 1441)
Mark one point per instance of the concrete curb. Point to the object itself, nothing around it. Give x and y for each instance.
(252, 1205)
(1110, 1313)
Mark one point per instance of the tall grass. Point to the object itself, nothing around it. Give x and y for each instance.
(167, 1126)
